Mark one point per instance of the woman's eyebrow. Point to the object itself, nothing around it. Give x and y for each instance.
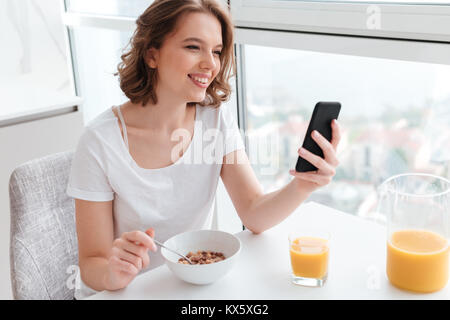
(199, 40)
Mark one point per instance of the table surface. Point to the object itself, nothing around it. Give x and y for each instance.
(356, 266)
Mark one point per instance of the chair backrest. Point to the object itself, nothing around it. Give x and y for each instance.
(44, 247)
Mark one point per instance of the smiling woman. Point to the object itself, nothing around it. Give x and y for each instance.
(176, 75)
(139, 79)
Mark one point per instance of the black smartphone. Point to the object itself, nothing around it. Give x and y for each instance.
(323, 114)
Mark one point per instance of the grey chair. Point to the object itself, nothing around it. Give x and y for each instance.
(44, 247)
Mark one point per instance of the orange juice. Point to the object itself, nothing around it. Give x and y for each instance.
(309, 257)
(417, 260)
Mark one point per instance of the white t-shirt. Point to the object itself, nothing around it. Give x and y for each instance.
(172, 199)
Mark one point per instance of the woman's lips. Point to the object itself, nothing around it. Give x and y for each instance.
(199, 84)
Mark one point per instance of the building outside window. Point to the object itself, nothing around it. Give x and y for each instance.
(395, 118)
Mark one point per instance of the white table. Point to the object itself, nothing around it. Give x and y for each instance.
(356, 266)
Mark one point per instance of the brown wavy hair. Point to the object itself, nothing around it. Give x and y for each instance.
(138, 80)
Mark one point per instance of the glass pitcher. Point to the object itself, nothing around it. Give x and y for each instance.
(417, 208)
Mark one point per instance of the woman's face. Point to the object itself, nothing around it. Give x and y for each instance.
(189, 59)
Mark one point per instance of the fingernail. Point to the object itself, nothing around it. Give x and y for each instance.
(315, 133)
(302, 150)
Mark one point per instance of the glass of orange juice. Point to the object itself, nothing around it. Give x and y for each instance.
(309, 253)
(417, 208)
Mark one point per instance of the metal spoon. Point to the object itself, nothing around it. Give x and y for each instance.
(163, 246)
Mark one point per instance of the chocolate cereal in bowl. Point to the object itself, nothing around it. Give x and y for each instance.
(203, 257)
(213, 254)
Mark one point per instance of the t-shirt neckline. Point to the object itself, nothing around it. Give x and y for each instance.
(131, 159)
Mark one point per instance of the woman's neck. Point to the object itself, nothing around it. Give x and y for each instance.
(159, 117)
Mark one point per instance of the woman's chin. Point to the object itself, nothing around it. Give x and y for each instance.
(197, 99)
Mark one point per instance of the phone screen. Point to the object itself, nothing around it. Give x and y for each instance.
(323, 114)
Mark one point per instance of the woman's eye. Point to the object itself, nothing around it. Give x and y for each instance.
(196, 48)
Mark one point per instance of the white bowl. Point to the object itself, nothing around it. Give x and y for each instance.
(203, 240)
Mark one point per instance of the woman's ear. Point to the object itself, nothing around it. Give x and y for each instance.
(151, 58)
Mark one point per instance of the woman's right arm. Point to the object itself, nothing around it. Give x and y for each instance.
(107, 263)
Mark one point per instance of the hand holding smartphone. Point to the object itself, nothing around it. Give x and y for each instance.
(323, 114)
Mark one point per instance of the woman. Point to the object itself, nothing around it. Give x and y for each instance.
(130, 178)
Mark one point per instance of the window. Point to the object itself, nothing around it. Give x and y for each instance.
(96, 61)
(415, 20)
(395, 115)
(36, 74)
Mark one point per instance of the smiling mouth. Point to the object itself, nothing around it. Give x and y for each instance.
(198, 83)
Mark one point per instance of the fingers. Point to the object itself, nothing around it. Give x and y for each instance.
(132, 248)
(326, 166)
(150, 232)
(123, 266)
(137, 252)
(124, 255)
(317, 161)
(140, 237)
(335, 134)
(329, 151)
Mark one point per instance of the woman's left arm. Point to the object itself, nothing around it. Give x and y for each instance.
(259, 211)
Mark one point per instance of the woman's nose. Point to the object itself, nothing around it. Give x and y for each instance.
(208, 61)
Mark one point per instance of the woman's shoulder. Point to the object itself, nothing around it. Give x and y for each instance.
(105, 118)
(100, 127)
(216, 113)
(220, 118)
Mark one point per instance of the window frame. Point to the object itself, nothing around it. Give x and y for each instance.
(405, 50)
(428, 22)
(72, 104)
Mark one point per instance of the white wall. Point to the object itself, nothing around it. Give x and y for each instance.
(20, 143)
